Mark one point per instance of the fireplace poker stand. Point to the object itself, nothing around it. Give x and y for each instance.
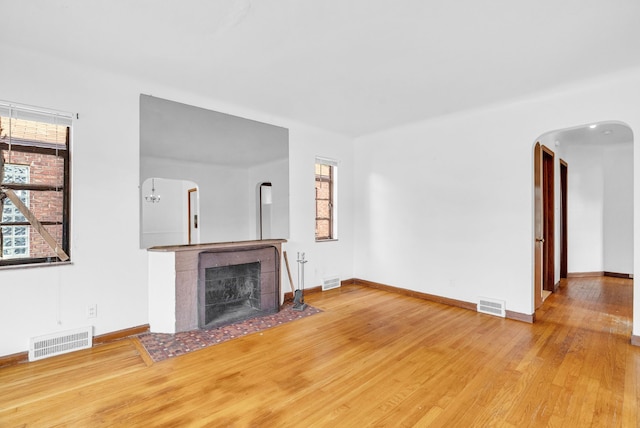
(298, 298)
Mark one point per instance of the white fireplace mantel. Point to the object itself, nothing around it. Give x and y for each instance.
(173, 282)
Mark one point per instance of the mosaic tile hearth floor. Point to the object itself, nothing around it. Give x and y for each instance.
(161, 346)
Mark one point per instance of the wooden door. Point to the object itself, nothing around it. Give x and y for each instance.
(537, 225)
(564, 240)
(544, 268)
(548, 223)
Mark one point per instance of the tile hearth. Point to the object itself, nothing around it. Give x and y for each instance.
(161, 346)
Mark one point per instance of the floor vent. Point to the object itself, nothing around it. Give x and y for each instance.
(492, 307)
(60, 343)
(329, 283)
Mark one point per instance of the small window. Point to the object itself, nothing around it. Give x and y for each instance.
(34, 186)
(326, 178)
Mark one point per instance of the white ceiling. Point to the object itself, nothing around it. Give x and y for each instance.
(350, 66)
(603, 134)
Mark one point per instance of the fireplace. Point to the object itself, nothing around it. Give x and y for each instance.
(175, 275)
(235, 285)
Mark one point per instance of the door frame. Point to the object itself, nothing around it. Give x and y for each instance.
(544, 232)
(192, 212)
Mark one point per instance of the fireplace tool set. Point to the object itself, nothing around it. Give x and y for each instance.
(298, 294)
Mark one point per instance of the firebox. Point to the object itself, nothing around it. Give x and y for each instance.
(235, 285)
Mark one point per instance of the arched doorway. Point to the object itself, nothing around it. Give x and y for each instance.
(583, 204)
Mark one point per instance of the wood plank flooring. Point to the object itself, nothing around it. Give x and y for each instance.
(372, 358)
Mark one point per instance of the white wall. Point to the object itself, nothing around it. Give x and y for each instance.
(108, 268)
(309, 144)
(441, 208)
(618, 212)
(585, 217)
(445, 206)
(222, 212)
(276, 173)
(600, 214)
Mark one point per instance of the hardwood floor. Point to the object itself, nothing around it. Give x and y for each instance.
(372, 358)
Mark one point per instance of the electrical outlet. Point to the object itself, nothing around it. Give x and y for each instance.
(92, 311)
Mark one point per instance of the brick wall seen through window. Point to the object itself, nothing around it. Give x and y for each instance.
(36, 168)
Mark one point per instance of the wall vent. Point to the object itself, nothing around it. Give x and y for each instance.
(329, 283)
(492, 307)
(60, 343)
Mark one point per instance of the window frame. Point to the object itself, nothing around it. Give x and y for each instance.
(40, 147)
(331, 179)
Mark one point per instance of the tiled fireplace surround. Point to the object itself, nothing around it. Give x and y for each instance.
(173, 278)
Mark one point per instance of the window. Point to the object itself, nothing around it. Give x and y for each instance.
(326, 178)
(15, 239)
(34, 186)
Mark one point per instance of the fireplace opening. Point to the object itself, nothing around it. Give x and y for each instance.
(231, 293)
(237, 285)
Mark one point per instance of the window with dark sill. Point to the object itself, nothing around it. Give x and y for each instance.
(34, 186)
